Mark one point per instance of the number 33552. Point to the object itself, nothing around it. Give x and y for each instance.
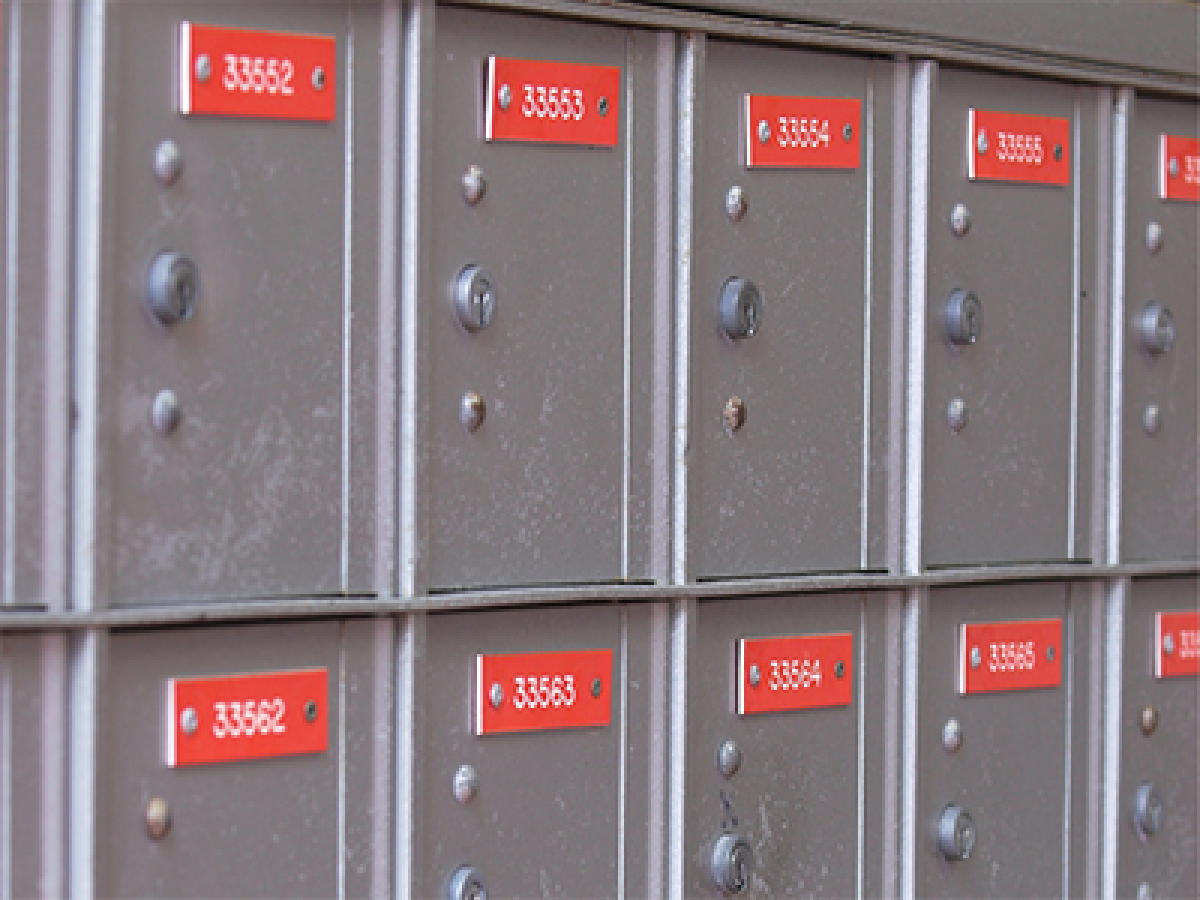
(248, 718)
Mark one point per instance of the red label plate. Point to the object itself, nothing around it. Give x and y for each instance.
(1010, 656)
(1177, 639)
(259, 74)
(792, 673)
(802, 132)
(543, 691)
(259, 716)
(1179, 168)
(552, 102)
(1016, 147)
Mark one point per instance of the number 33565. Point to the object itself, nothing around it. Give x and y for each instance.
(248, 718)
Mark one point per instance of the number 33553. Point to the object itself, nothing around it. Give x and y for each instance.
(248, 718)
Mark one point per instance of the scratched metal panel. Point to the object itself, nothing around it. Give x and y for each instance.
(1160, 492)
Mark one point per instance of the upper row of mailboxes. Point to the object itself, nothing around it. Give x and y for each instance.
(646, 303)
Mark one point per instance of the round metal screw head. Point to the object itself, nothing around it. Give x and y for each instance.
(466, 884)
(976, 658)
(956, 834)
(203, 68)
(952, 735)
(981, 142)
(755, 676)
(310, 711)
(472, 411)
(505, 97)
(602, 106)
(957, 414)
(1168, 644)
(1058, 152)
(729, 759)
(960, 220)
(473, 184)
(1050, 654)
(1154, 237)
(168, 162)
(1173, 167)
(158, 818)
(764, 131)
(318, 78)
(1147, 810)
(847, 132)
(1152, 418)
(839, 669)
(496, 695)
(165, 413)
(466, 784)
(735, 203)
(189, 721)
(597, 688)
(1148, 720)
(734, 414)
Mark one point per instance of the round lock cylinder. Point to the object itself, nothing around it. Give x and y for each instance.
(1156, 327)
(741, 308)
(172, 288)
(964, 317)
(1147, 810)
(466, 884)
(956, 834)
(732, 864)
(474, 299)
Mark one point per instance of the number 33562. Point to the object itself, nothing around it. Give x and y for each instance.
(248, 718)
(258, 75)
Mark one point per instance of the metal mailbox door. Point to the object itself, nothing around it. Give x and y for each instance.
(776, 728)
(1012, 180)
(525, 791)
(224, 316)
(998, 758)
(1160, 800)
(777, 482)
(1159, 433)
(528, 302)
(248, 809)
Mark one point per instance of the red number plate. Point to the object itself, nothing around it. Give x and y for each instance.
(260, 716)
(260, 74)
(1016, 147)
(1179, 168)
(1177, 639)
(542, 691)
(1010, 656)
(792, 673)
(802, 132)
(552, 102)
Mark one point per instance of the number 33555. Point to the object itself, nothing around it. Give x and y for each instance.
(248, 718)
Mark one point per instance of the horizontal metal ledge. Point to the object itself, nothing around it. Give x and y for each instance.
(859, 39)
(25, 619)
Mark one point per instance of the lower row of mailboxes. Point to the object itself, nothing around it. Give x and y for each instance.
(742, 746)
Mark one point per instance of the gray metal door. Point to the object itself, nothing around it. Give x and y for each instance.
(1002, 406)
(1159, 488)
(777, 482)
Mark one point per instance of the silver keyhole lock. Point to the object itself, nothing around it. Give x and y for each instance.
(1156, 327)
(474, 299)
(956, 834)
(741, 308)
(172, 288)
(964, 317)
(1147, 811)
(732, 864)
(466, 884)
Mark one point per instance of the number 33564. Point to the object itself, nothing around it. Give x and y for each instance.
(247, 718)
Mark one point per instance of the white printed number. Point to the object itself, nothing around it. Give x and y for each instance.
(1191, 172)
(794, 674)
(1017, 656)
(247, 718)
(794, 132)
(1020, 148)
(555, 103)
(259, 75)
(548, 691)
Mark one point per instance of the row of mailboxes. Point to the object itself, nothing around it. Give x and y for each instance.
(657, 301)
(748, 746)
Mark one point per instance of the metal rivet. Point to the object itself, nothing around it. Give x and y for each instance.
(952, 736)
(1058, 152)
(505, 97)
(158, 818)
(1173, 167)
(1154, 237)
(203, 68)
(755, 676)
(1145, 892)
(310, 711)
(318, 78)
(466, 784)
(1168, 644)
(189, 721)
(976, 658)
(473, 184)
(957, 414)
(981, 142)
(734, 413)
(729, 759)
(1152, 418)
(496, 695)
(839, 669)
(168, 162)
(602, 106)
(1148, 720)
(847, 132)
(735, 203)
(165, 413)
(960, 220)
(764, 131)
(472, 411)
(1050, 654)
(597, 687)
